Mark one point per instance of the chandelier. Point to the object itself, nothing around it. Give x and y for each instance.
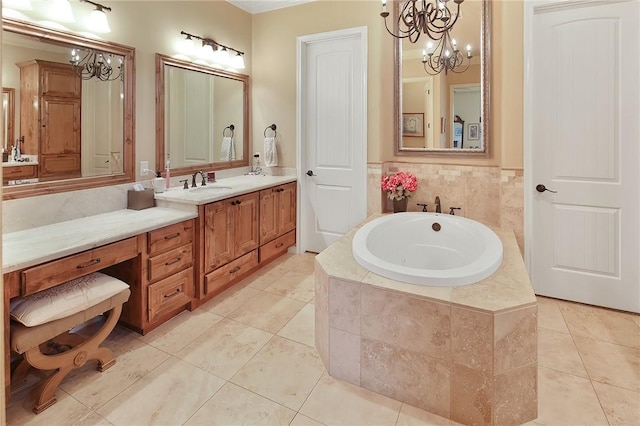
(436, 20)
(88, 63)
(445, 57)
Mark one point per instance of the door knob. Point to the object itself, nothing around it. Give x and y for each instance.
(541, 188)
(310, 173)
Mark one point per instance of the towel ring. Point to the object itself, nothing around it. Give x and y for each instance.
(230, 127)
(272, 127)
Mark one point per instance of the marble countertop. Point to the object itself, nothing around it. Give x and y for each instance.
(221, 189)
(30, 247)
(507, 288)
(19, 163)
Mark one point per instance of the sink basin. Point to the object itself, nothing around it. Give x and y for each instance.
(210, 188)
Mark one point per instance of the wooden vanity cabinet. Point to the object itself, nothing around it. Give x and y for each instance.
(277, 220)
(230, 240)
(19, 172)
(50, 99)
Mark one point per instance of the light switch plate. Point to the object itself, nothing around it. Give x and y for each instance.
(144, 168)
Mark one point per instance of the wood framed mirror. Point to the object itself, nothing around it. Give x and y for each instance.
(418, 92)
(202, 117)
(104, 132)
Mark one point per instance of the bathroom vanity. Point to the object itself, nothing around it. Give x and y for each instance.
(176, 256)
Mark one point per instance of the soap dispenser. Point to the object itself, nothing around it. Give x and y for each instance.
(159, 184)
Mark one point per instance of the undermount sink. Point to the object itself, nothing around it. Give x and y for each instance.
(210, 188)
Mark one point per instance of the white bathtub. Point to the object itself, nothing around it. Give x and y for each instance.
(405, 247)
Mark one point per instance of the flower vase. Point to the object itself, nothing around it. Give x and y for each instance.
(400, 205)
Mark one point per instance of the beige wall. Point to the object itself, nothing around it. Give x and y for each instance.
(274, 77)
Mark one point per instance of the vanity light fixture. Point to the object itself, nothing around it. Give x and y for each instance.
(431, 17)
(445, 57)
(97, 20)
(18, 4)
(219, 53)
(88, 63)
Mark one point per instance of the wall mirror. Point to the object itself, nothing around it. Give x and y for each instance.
(74, 131)
(455, 106)
(202, 117)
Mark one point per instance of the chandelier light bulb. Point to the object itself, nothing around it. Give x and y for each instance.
(98, 21)
(447, 53)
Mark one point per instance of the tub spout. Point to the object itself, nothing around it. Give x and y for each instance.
(438, 208)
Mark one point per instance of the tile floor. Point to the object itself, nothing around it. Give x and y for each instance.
(248, 358)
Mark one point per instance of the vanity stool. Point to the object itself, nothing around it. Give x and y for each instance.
(42, 323)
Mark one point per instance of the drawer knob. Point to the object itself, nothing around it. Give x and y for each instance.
(176, 260)
(88, 264)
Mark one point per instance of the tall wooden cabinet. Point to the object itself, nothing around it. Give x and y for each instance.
(50, 98)
(277, 220)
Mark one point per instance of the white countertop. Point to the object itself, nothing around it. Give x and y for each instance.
(221, 189)
(19, 163)
(31, 247)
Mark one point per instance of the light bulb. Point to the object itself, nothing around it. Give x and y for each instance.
(18, 4)
(447, 53)
(188, 46)
(98, 21)
(60, 10)
(237, 62)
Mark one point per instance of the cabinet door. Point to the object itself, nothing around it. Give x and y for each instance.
(246, 223)
(60, 80)
(60, 126)
(286, 208)
(218, 234)
(268, 215)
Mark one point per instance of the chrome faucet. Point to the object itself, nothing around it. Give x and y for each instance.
(438, 208)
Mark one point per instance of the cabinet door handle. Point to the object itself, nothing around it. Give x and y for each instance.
(89, 263)
(234, 270)
(172, 236)
(176, 260)
(174, 294)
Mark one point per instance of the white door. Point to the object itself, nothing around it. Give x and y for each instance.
(584, 144)
(332, 139)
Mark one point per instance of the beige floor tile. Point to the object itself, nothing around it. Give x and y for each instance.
(621, 406)
(565, 399)
(66, 411)
(230, 299)
(303, 263)
(225, 348)
(181, 330)
(333, 402)
(557, 351)
(94, 388)
(296, 285)
(301, 328)
(283, 371)
(93, 419)
(413, 416)
(168, 395)
(233, 405)
(549, 315)
(267, 312)
(636, 318)
(302, 420)
(608, 363)
(601, 324)
(264, 278)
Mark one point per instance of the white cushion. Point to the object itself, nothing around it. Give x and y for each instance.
(65, 299)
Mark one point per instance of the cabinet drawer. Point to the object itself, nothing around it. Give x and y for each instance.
(170, 294)
(224, 275)
(19, 172)
(277, 246)
(169, 263)
(60, 271)
(170, 237)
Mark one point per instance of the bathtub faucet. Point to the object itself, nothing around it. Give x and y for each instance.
(438, 208)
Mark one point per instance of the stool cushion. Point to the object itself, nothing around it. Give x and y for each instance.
(24, 338)
(65, 299)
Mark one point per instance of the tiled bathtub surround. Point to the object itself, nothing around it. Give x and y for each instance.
(466, 353)
(490, 195)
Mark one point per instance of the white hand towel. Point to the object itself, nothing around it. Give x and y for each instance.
(227, 151)
(270, 152)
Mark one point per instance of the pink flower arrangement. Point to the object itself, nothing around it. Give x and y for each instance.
(399, 185)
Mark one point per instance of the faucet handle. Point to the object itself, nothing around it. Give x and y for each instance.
(203, 176)
(451, 210)
(424, 206)
(185, 186)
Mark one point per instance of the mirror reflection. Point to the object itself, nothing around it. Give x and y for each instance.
(202, 115)
(8, 117)
(454, 103)
(67, 123)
